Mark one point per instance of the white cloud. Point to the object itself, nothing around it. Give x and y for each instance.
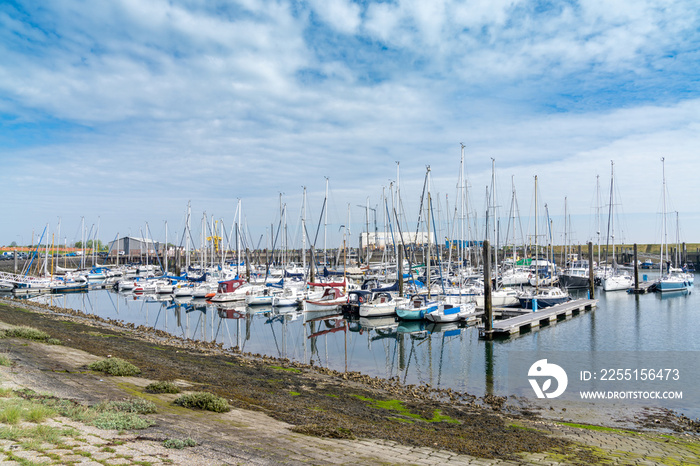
(342, 15)
(166, 101)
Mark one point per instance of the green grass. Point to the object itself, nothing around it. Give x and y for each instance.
(117, 415)
(4, 360)
(396, 405)
(203, 400)
(592, 427)
(39, 413)
(120, 421)
(29, 333)
(11, 414)
(288, 369)
(294, 393)
(162, 387)
(136, 405)
(179, 444)
(41, 433)
(115, 366)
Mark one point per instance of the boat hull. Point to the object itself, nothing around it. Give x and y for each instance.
(526, 303)
(377, 310)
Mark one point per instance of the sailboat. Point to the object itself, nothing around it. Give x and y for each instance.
(575, 273)
(616, 279)
(542, 296)
(668, 280)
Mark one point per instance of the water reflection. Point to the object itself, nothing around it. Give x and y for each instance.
(416, 352)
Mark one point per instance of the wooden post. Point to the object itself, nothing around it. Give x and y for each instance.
(591, 279)
(580, 257)
(673, 257)
(684, 256)
(312, 264)
(15, 261)
(636, 269)
(399, 270)
(488, 309)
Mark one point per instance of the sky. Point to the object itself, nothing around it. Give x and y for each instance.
(120, 113)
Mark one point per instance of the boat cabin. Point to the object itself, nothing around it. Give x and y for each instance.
(229, 286)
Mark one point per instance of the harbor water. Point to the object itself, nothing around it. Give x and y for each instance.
(631, 333)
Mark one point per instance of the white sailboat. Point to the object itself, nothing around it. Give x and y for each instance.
(615, 279)
(668, 281)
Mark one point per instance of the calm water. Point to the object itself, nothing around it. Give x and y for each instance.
(624, 332)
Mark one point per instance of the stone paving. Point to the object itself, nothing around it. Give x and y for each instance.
(92, 446)
(248, 437)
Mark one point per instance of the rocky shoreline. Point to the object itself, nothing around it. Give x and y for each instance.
(345, 407)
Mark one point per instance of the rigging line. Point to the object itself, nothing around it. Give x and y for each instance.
(403, 246)
(312, 249)
(34, 254)
(218, 329)
(148, 230)
(393, 240)
(442, 281)
(272, 252)
(112, 301)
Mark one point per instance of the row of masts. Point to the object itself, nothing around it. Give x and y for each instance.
(460, 222)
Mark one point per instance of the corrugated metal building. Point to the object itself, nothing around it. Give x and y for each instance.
(133, 247)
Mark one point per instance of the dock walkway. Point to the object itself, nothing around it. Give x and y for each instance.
(546, 316)
(644, 287)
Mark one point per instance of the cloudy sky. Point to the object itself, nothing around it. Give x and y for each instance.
(121, 112)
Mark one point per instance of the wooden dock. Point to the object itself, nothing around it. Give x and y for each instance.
(547, 316)
(644, 287)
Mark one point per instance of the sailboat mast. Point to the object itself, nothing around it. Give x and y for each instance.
(187, 239)
(565, 252)
(238, 240)
(325, 228)
(460, 247)
(612, 211)
(512, 213)
(46, 256)
(303, 231)
(367, 229)
(165, 249)
(597, 200)
(213, 242)
(94, 243)
(493, 215)
(203, 251)
(663, 215)
(537, 274)
(427, 264)
(678, 242)
(82, 242)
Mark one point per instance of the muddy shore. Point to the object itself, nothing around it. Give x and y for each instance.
(324, 403)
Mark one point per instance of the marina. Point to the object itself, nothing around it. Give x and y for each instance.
(443, 355)
(527, 321)
(381, 232)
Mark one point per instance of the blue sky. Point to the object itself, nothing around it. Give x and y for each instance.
(121, 112)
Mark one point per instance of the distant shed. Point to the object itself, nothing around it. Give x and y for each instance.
(134, 247)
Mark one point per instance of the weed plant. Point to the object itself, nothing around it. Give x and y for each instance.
(203, 400)
(162, 387)
(136, 405)
(179, 444)
(115, 366)
(29, 333)
(120, 421)
(118, 415)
